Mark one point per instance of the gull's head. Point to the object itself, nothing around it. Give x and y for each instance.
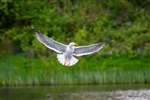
(72, 44)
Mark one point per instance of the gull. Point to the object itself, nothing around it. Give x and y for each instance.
(66, 54)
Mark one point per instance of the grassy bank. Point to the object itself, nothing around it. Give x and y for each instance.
(19, 69)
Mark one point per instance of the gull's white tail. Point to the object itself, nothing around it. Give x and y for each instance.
(70, 62)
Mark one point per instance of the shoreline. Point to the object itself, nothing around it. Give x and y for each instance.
(21, 70)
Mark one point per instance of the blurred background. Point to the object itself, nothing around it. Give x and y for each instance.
(124, 25)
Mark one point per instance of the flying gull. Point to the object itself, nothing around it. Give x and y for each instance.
(66, 54)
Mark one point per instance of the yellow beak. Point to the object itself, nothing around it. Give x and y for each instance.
(76, 45)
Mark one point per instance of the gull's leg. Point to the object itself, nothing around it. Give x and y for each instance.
(68, 63)
(65, 62)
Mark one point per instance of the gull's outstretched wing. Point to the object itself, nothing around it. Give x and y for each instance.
(50, 43)
(86, 50)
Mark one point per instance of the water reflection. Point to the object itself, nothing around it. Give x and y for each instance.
(80, 92)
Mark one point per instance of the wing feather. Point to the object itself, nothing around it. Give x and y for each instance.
(86, 50)
(50, 43)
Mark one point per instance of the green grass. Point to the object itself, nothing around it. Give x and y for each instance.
(22, 70)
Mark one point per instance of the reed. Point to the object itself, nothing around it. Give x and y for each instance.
(21, 70)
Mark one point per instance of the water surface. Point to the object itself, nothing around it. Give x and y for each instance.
(76, 92)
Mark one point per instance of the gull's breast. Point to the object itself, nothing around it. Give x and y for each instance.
(67, 57)
(66, 60)
(69, 52)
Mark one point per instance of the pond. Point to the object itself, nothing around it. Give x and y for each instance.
(76, 92)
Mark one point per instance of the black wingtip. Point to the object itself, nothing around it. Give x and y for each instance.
(102, 44)
(38, 33)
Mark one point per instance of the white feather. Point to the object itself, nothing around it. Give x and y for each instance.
(70, 62)
(73, 61)
(60, 58)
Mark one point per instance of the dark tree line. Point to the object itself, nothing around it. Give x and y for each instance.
(122, 24)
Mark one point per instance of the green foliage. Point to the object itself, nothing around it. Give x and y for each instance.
(98, 70)
(122, 25)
